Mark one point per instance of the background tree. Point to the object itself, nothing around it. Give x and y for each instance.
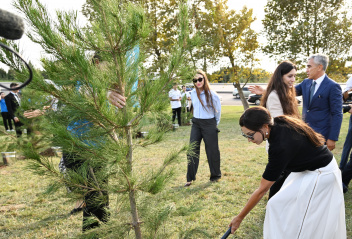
(118, 32)
(202, 20)
(246, 75)
(296, 29)
(3, 74)
(235, 39)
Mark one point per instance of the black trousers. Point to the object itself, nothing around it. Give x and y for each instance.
(7, 120)
(347, 172)
(178, 112)
(207, 130)
(97, 203)
(18, 128)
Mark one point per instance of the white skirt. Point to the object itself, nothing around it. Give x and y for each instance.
(310, 205)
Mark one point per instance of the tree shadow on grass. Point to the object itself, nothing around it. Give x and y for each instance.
(22, 231)
(193, 188)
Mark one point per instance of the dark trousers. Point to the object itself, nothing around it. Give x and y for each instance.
(205, 129)
(346, 146)
(278, 183)
(7, 120)
(178, 112)
(97, 202)
(18, 128)
(347, 172)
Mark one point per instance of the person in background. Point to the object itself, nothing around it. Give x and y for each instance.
(310, 204)
(175, 100)
(345, 165)
(186, 97)
(280, 99)
(206, 117)
(322, 100)
(72, 161)
(13, 101)
(348, 141)
(5, 114)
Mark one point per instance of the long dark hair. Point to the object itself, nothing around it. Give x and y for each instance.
(256, 117)
(286, 95)
(207, 92)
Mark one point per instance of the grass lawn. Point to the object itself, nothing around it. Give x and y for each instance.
(25, 212)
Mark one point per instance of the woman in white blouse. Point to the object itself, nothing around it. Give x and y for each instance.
(280, 99)
(206, 116)
(280, 95)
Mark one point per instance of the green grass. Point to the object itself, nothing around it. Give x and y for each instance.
(25, 212)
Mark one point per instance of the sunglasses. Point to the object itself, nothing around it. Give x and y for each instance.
(200, 79)
(250, 136)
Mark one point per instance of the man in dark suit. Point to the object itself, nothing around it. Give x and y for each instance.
(12, 101)
(322, 100)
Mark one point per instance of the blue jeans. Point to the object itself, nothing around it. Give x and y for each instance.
(346, 146)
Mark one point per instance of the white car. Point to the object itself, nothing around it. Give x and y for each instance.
(245, 91)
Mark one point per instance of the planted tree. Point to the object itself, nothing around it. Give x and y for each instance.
(86, 124)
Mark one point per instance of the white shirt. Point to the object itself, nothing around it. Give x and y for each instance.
(16, 97)
(186, 95)
(318, 81)
(348, 85)
(200, 113)
(175, 95)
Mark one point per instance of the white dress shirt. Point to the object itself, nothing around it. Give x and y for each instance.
(16, 97)
(200, 113)
(348, 85)
(318, 81)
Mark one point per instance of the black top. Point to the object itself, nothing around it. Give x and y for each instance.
(11, 104)
(293, 152)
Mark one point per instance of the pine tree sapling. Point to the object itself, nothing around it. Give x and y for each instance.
(97, 137)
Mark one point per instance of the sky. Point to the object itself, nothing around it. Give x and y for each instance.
(33, 52)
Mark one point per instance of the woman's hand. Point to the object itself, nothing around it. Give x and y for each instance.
(235, 223)
(116, 99)
(256, 89)
(253, 200)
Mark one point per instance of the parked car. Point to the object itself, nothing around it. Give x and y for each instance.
(245, 90)
(253, 98)
(189, 86)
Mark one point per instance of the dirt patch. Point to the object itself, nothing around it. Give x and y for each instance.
(3, 170)
(12, 207)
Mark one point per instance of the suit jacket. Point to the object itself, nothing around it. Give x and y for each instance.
(324, 113)
(11, 104)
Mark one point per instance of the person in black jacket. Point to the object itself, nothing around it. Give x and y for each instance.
(13, 101)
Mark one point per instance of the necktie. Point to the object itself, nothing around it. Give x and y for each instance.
(312, 89)
(18, 99)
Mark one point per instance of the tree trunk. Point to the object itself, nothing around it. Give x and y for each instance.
(132, 195)
(238, 85)
(243, 99)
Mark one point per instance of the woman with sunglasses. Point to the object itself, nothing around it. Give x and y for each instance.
(310, 204)
(206, 116)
